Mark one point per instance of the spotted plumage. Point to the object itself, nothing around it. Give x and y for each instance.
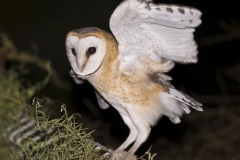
(128, 69)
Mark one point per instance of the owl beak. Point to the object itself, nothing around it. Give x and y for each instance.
(82, 68)
(84, 63)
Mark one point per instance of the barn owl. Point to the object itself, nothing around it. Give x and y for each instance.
(128, 68)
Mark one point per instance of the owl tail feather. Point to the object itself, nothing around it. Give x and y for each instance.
(176, 103)
(185, 99)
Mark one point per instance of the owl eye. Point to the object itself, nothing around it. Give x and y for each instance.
(92, 50)
(73, 52)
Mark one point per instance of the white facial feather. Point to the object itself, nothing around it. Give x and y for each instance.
(84, 63)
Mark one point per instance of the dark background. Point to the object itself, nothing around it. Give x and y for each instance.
(41, 26)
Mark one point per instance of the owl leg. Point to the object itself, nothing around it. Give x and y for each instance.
(143, 131)
(132, 135)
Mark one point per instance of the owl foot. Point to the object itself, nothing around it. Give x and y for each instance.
(122, 155)
(129, 156)
(118, 155)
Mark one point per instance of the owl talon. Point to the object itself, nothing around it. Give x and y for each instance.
(118, 155)
(122, 155)
(129, 156)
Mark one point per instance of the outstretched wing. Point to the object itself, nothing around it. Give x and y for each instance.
(165, 34)
(156, 30)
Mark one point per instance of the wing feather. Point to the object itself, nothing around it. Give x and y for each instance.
(156, 30)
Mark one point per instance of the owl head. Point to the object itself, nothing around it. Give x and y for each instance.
(87, 49)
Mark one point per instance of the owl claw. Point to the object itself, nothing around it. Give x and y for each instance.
(118, 155)
(129, 156)
(122, 155)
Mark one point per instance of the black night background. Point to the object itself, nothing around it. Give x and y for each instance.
(41, 26)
